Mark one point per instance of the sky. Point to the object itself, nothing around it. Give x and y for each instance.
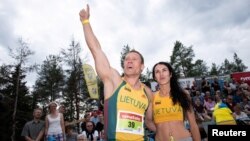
(214, 28)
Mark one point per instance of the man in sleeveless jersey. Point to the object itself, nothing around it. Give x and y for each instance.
(126, 98)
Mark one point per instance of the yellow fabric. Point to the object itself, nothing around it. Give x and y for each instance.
(223, 116)
(134, 102)
(164, 110)
(91, 81)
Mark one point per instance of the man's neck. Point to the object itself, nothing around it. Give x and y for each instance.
(134, 82)
(36, 120)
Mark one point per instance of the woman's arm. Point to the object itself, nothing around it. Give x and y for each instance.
(46, 125)
(62, 125)
(193, 125)
(95, 135)
(194, 129)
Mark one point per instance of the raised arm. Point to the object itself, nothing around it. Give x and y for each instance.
(102, 65)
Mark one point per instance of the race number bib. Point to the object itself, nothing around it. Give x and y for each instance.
(129, 122)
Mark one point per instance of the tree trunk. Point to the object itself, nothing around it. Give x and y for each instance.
(15, 106)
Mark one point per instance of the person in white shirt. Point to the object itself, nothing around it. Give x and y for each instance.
(239, 114)
(54, 124)
(90, 134)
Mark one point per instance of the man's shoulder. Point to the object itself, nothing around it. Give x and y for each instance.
(32, 121)
(42, 121)
(29, 122)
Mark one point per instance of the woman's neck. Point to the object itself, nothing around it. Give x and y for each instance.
(54, 113)
(165, 90)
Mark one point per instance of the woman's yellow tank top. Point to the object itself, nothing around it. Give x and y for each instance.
(164, 110)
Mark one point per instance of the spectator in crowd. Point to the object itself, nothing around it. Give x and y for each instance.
(118, 89)
(233, 85)
(95, 118)
(209, 105)
(54, 124)
(90, 133)
(246, 92)
(198, 96)
(81, 137)
(218, 98)
(222, 114)
(100, 125)
(102, 137)
(34, 129)
(70, 134)
(230, 103)
(86, 119)
(207, 96)
(218, 93)
(226, 88)
(244, 85)
(201, 111)
(194, 88)
(215, 85)
(245, 105)
(237, 97)
(238, 113)
(169, 122)
(61, 109)
(205, 86)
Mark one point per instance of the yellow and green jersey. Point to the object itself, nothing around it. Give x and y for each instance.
(124, 114)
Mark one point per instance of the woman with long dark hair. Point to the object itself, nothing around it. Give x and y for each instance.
(171, 106)
(90, 133)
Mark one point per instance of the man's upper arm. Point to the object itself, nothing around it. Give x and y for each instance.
(41, 133)
(149, 93)
(43, 125)
(25, 130)
(102, 64)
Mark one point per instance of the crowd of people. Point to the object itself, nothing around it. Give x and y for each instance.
(54, 128)
(227, 103)
(131, 108)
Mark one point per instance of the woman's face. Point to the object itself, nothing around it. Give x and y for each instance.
(89, 126)
(52, 107)
(162, 74)
(197, 102)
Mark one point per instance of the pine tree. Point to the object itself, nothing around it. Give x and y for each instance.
(181, 59)
(15, 89)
